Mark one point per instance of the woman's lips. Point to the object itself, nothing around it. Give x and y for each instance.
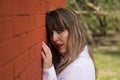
(59, 46)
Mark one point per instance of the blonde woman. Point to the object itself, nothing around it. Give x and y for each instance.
(66, 55)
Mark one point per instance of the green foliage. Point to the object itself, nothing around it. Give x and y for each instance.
(70, 4)
(119, 46)
(112, 20)
(108, 64)
(107, 60)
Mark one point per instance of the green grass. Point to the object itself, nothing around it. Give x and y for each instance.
(108, 64)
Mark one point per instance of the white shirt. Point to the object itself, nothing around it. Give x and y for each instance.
(81, 69)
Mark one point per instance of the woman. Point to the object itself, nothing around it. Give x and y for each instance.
(66, 56)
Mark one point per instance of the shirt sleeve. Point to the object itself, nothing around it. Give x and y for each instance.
(49, 74)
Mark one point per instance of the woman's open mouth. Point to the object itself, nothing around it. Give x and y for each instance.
(59, 46)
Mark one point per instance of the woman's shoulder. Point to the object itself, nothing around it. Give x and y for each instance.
(79, 64)
(79, 67)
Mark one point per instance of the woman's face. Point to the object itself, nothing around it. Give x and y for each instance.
(59, 39)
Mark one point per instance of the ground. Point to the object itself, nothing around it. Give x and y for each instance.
(107, 55)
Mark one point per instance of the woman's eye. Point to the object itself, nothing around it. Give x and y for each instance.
(60, 30)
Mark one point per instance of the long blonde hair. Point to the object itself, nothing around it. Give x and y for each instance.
(65, 19)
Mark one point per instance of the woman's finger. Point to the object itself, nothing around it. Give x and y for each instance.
(46, 49)
(45, 46)
(43, 55)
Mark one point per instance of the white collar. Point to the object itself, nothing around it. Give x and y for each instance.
(84, 53)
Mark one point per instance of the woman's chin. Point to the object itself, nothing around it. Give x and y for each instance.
(61, 51)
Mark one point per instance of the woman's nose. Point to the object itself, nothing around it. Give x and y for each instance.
(55, 36)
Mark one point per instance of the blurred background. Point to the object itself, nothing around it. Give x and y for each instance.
(101, 21)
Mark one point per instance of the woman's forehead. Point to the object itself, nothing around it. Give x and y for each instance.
(56, 28)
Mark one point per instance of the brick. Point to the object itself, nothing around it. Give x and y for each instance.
(8, 50)
(38, 49)
(52, 6)
(44, 7)
(32, 38)
(22, 31)
(33, 6)
(19, 7)
(7, 72)
(35, 51)
(37, 76)
(32, 54)
(22, 7)
(21, 62)
(46, 1)
(38, 67)
(8, 7)
(13, 47)
(40, 20)
(30, 23)
(60, 3)
(23, 24)
(20, 25)
(31, 71)
(6, 27)
(1, 34)
(17, 78)
(16, 7)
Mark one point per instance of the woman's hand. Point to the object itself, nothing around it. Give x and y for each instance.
(46, 56)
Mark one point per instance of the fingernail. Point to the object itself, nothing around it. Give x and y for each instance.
(43, 44)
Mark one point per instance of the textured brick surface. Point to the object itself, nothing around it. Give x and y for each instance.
(21, 63)
(7, 73)
(22, 31)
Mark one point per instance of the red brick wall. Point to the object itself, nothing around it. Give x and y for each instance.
(22, 29)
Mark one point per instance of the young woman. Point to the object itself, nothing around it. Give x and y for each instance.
(66, 55)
